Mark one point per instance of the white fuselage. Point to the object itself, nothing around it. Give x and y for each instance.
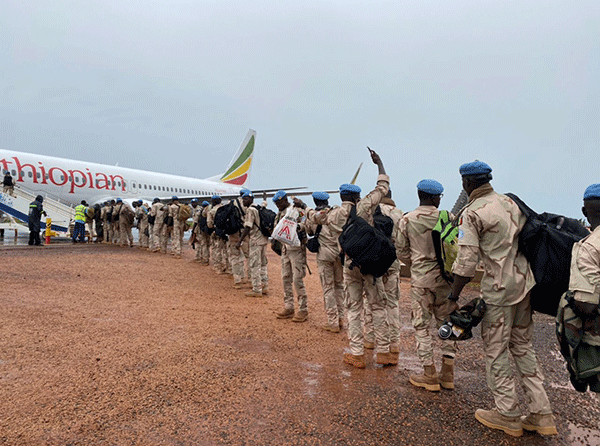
(72, 181)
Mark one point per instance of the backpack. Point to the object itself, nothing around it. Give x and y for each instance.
(547, 241)
(184, 212)
(445, 241)
(115, 214)
(228, 218)
(313, 244)
(368, 247)
(383, 222)
(266, 220)
(202, 223)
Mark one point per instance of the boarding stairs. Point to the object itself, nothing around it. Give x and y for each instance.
(17, 207)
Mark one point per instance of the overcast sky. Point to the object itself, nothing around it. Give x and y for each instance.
(173, 86)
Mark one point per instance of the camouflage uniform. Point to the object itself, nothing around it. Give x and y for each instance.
(142, 217)
(115, 224)
(204, 240)
(258, 261)
(157, 211)
(489, 228)
(428, 293)
(237, 255)
(580, 342)
(355, 283)
(106, 224)
(178, 230)
(125, 225)
(219, 254)
(293, 261)
(329, 265)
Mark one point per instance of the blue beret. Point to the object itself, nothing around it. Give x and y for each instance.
(592, 192)
(140, 200)
(279, 195)
(349, 189)
(174, 198)
(205, 203)
(430, 186)
(320, 195)
(194, 200)
(216, 196)
(119, 200)
(475, 168)
(247, 193)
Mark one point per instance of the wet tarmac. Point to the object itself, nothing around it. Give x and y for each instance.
(119, 346)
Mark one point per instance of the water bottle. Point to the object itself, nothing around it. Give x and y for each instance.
(449, 330)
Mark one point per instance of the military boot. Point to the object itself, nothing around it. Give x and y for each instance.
(253, 294)
(429, 380)
(494, 420)
(355, 360)
(285, 314)
(300, 316)
(446, 377)
(544, 424)
(331, 328)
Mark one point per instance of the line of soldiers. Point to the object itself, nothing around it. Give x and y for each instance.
(488, 234)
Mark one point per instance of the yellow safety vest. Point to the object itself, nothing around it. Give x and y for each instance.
(80, 213)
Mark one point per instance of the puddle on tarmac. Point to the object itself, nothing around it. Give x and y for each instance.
(583, 436)
(311, 379)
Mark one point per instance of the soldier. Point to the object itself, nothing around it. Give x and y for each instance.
(90, 222)
(293, 261)
(219, 242)
(115, 221)
(328, 260)
(578, 320)
(105, 215)
(195, 231)
(126, 219)
(355, 282)
(142, 220)
(236, 252)
(8, 184)
(204, 235)
(428, 293)
(98, 223)
(489, 229)
(158, 213)
(258, 261)
(178, 228)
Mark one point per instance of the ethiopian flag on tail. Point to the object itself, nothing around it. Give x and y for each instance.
(238, 171)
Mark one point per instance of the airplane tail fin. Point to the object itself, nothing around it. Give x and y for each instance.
(237, 172)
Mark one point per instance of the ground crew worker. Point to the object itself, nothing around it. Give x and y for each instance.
(429, 290)
(258, 261)
(219, 244)
(355, 282)
(158, 215)
(328, 260)
(126, 218)
(115, 221)
(105, 215)
(8, 184)
(36, 210)
(578, 320)
(489, 229)
(203, 235)
(142, 219)
(293, 260)
(79, 227)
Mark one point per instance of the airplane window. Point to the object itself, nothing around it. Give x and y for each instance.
(145, 186)
(133, 185)
(22, 174)
(14, 173)
(119, 184)
(30, 175)
(38, 175)
(154, 187)
(70, 180)
(77, 179)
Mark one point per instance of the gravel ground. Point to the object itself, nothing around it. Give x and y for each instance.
(103, 345)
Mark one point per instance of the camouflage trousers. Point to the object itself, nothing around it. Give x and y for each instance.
(391, 288)
(177, 237)
(91, 231)
(218, 253)
(429, 303)
(331, 278)
(203, 243)
(166, 236)
(107, 232)
(356, 285)
(125, 233)
(509, 330)
(237, 257)
(142, 237)
(258, 265)
(293, 271)
(157, 235)
(115, 232)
